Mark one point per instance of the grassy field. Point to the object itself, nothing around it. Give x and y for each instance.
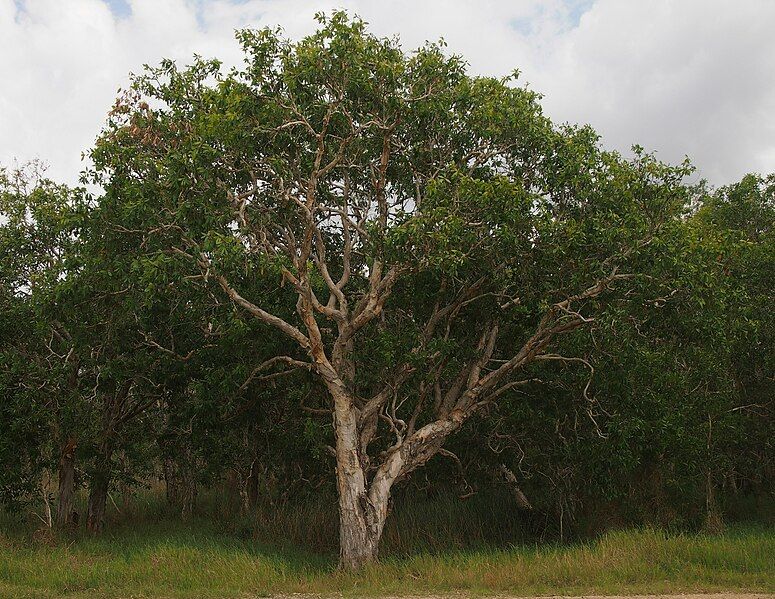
(196, 560)
(431, 546)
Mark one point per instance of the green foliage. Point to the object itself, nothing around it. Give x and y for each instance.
(116, 331)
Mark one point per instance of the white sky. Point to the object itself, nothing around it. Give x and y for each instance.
(682, 77)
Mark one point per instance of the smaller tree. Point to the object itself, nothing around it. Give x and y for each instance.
(40, 225)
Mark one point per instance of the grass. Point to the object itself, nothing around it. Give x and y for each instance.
(177, 561)
(152, 555)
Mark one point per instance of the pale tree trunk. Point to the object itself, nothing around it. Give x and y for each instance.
(189, 487)
(66, 491)
(247, 483)
(358, 545)
(358, 539)
(44, 485)
(363, 505)
(519, 497)
(362, 516)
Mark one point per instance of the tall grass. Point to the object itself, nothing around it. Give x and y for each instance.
(183, 562)
(438, 524)
(148, 552)
(417, 522)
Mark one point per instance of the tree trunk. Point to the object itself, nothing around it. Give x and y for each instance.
(171, 482)
(363, 505)
(253, 488)
(360, 521)
(98, 494)
(189, 490)
(98, 497)
(520, 498)
(248, 488)
(66, 490)
(357, 545)
(180, 482)
(714, 524)
(46, 503)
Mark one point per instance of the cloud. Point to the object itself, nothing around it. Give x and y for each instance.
(689, 77)
(676, 76)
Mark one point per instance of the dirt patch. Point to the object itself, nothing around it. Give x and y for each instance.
(464, 596)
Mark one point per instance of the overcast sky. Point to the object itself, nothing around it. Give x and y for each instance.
(681, 77)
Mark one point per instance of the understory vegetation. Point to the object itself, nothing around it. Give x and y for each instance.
(428, 548)
(351, 301)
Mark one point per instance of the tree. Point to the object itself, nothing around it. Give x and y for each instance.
(740, 218)
(40, 224)
(435, 231)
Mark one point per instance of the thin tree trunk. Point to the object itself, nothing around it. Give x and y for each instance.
(189, 488)
(95, 510)
(46, 503)
(714, 523)
(98, 494)
(248, 489)
(64, 514)
(252, 487)
(520, 498)
(171, 482)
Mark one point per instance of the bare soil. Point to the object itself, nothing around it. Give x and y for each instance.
(464, 596)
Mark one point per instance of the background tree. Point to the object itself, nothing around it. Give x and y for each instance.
(741, 218)
(40, 223)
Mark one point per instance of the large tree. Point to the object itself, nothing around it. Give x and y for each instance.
(435, 231)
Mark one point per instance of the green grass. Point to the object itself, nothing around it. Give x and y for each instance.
(431, 545)
(170, 559)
